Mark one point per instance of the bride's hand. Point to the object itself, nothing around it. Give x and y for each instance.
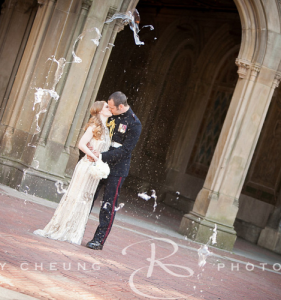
(90, 158)
(96, 153)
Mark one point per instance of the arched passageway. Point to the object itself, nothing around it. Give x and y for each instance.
(182, 85)
(201, 121)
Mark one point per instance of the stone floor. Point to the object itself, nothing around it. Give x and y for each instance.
(144, 258)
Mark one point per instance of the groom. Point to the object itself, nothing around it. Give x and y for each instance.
(124, 129)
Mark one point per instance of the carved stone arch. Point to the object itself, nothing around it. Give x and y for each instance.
(259, 74)
(253, 24)
(260, 22)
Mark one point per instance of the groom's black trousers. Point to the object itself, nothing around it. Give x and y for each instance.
(112, 186)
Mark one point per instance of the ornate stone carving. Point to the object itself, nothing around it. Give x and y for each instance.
(86, 4)
(243, 66)
(111, 12)
(277, 79)
(255, 69)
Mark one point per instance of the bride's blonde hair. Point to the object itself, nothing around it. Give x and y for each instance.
(96, 120)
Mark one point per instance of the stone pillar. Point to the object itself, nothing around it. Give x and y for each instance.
(217, 202)
(270, 236)
(50, 35)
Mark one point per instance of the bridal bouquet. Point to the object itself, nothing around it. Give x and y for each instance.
(99, 169)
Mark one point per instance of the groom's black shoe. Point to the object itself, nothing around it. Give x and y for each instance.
(94, 245)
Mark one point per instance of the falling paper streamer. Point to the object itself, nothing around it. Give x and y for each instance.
(133, 19)
(203, 252)
(60, 189)
(59, 71)
(119, 207)
(144, 196)
(43, 96)
(213, 238)
(150, 26)
(76, 59)
(153, 195)
(97, 40)
(30, 145)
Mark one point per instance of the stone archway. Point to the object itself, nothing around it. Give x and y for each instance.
(259, 74)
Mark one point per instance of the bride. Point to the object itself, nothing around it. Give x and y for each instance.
(69, 220)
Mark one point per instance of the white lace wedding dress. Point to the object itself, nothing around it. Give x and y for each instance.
(69, 220)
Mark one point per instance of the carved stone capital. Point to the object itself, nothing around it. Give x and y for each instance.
(243, 66)
(255, 69)
(86, 4)
(110, 13)
(277, 79)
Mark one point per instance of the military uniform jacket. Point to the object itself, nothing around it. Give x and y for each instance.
(126, 132)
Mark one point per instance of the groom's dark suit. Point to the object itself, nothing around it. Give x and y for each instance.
(125, 129)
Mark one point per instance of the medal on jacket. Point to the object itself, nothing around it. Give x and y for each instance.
(111, 126)
(122, 128)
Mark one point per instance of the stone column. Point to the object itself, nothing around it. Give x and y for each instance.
(54, 154)
(50, 35)
(217, 202)
(270, 236)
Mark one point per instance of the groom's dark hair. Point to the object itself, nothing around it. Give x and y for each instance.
(118, 98)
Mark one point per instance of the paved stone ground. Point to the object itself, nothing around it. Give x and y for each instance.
(144, 258)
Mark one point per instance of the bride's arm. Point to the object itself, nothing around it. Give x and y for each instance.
(87, 136)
